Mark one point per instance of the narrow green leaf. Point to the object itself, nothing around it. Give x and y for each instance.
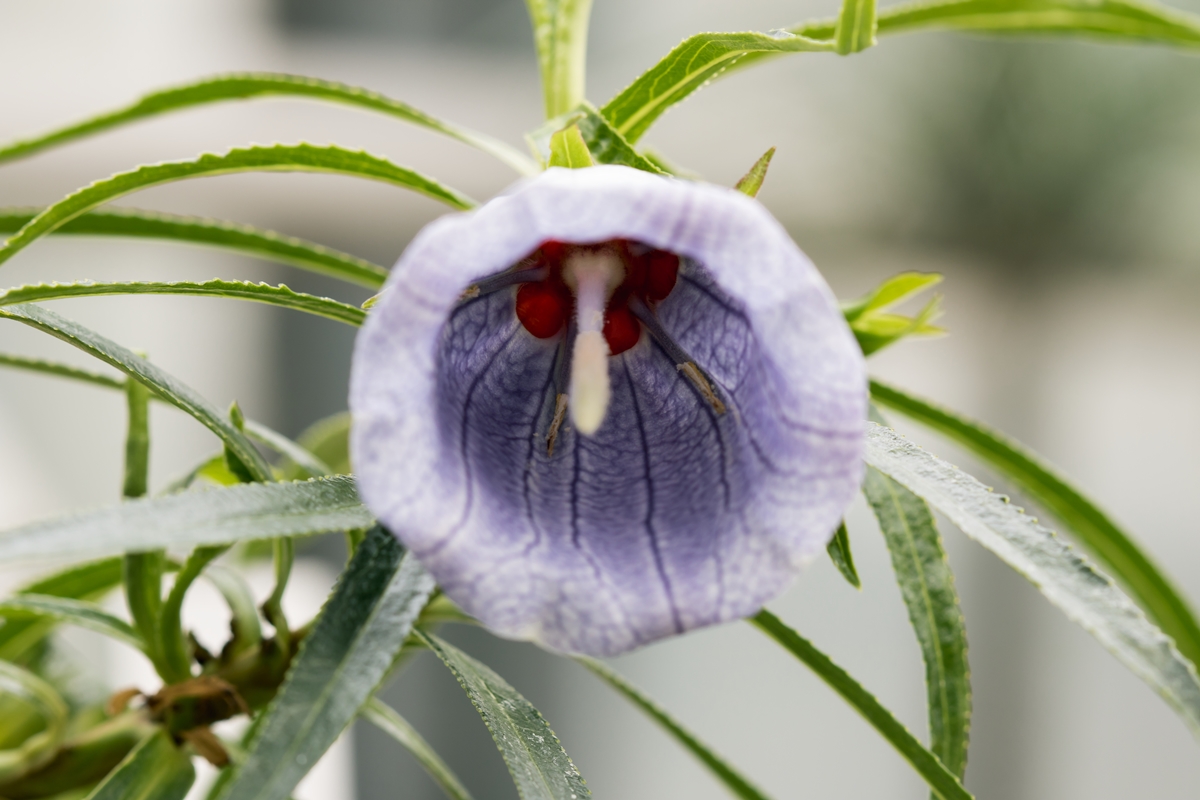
(560, 29)
(37, 749)
(927, 585)
(218, 516)
(273, 158)
(81, 582)
(280, 295)
(540, 768)
(1087, 596)
(943, 783)
(567, 149)
(1109, 19)
(75, 612)
(855, 30)
(1093, 527)
(155, 770)
(339, 665)
(387, 720)
(242, 86)
(839, 553)
(752, 181)
(693, 63)
(60, 370)
(604, 144)
(231, 236)
(1120, 20)
(166, 386)
(738, 785)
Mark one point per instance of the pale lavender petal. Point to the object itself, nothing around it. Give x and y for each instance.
(672, 516)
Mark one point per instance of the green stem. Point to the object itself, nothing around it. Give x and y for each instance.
(137, 441)
(944, 783)
(177, 656)
(142, 572)
(284, 552)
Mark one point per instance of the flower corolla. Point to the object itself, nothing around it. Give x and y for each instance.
(608, 407)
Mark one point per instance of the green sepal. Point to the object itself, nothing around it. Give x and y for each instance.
(839, 553)
(752, 181)
(604, 144)
(232, 462)
(875, 329)
(568, 149)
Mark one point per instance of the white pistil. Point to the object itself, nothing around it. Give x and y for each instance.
(592, 275)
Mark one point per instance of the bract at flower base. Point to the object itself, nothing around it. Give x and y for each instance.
(608, 407)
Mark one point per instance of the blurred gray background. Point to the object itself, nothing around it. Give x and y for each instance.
(1055, 184)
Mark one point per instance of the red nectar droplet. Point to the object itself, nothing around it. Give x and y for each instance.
(543, 308)
(661, 274)
(621, 329)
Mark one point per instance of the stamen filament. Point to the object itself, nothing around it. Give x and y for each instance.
(494, 283)
(683, 362)
(592, 275)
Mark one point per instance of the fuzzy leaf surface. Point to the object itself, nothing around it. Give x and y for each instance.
(232, 236)
(247, 85)
(693, 63)
(944, 783)
(1087, 596)
(273, 158)
(351, 648)
(217, 516)
(1097, 531)
(280, 296)
(540, 768)
(927, 586)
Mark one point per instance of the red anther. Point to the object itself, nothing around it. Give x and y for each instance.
(621, 329)
(553, 252)
(543, 308)
(633, 258)
(661, 274)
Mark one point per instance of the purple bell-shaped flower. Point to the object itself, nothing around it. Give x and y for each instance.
(608, 407)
